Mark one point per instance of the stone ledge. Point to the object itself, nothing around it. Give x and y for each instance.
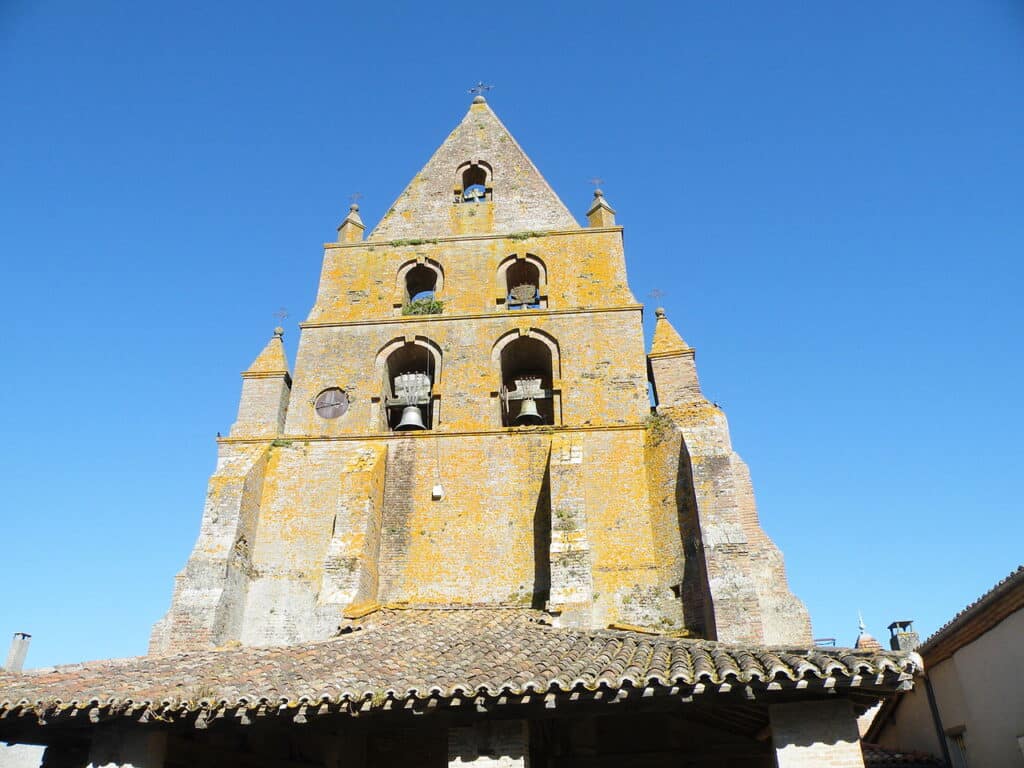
(470, 316)
(515, 236)
(421, 435)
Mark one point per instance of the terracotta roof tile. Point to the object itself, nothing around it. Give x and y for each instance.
(1011, 582)
(881, 757)
(419, 653)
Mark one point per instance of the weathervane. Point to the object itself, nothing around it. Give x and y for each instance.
(480, 88)
(657, 294)
(355, 197)
(281, 314)
(597, 181)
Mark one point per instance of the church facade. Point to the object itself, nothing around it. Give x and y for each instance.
(459, 532)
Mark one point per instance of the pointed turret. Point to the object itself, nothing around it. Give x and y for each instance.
(272, 360)
(671, 366)
(351, 229)
(600, 213)
(266, 386)
(478, 181)
(666, 338)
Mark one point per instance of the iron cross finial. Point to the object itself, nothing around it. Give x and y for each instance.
(281, 314)
(480, 88)
(597, 181)
(657, 294)
(355, 197)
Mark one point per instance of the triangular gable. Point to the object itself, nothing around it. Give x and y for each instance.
(521, 199)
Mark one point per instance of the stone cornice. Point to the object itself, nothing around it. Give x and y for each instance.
(516, 236)
(689, 352)
(266, 375)
(432, 433)
(470, 316)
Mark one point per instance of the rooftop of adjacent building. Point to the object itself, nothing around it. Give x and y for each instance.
(865, 641)
(1004, 599)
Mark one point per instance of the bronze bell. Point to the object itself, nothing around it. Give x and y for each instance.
(412, 418)
(528, 413)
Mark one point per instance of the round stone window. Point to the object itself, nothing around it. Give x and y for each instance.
(331, 403)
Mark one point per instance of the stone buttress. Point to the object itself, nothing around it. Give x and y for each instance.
(745, 575)
(468, 423)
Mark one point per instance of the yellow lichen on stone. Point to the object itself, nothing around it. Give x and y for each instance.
(272, 359)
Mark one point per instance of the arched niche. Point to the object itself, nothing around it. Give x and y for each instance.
(420, 278)
(528, 366)
(410, 371)
(522, 282)
(473, 182)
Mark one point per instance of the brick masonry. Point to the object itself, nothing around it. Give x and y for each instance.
(814, 734)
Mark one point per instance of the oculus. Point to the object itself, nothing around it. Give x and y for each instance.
(331, 403)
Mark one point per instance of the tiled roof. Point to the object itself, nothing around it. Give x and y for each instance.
(866, 642)
(414, 656)
(881, 757)
(1007, 596)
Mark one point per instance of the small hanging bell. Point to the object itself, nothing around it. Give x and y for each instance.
(412, 418)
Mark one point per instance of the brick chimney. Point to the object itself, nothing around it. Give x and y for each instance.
(19, 650)
(902, 636)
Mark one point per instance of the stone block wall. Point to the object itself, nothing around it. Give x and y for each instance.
(674, 376)
(745, 573)
(262, 407)
(308, 518)
(361, 282)
(209, 594)
(522, 199)
(310, 554)
(677, 523)
(599, 385)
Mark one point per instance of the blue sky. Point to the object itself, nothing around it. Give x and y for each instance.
(829, 195)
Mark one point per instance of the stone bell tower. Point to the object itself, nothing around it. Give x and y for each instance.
(468, 423)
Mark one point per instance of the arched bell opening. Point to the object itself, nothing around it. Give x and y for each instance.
(522, 285)
(473, 182)
(420, 283)
(418, 288)
(522, 282)
(410, 371)
(527, 383)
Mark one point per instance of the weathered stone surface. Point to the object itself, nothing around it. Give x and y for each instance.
(607, 515)
(521, 198)
(746, 579)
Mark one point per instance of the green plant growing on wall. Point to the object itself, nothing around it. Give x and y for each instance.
(429, 306)
(660, 426)
(519, 236)
(414, 241)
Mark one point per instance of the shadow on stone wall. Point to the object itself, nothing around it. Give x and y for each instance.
(698, 610)
(542, 543)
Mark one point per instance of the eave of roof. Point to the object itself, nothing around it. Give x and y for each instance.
(876, 756)
(1004, 599)
(415, 661)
